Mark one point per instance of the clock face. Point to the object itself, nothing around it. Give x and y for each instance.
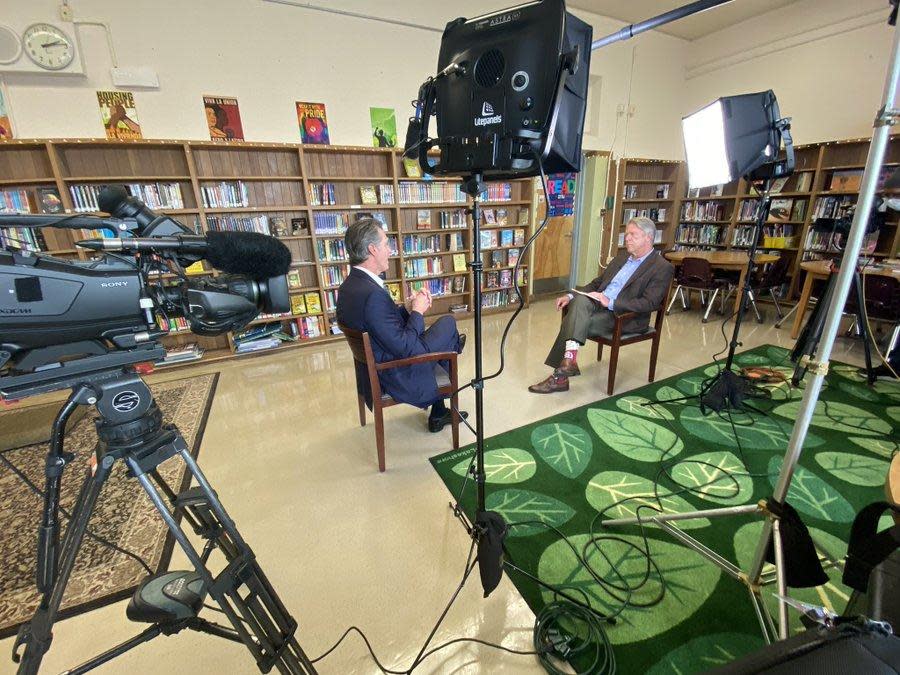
(48, 46)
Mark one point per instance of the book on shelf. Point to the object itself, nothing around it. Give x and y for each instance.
(488, 238)
(498, 258)
(293, 279)
(195, 268)
(492, 280)
(181, 354)
(506, 237)
(367, 194)
(331, 250)
(459, 262)
(717, 190)
(313, 304)
(412, 168)
(307, 327)
(322, 194)
(845, 181)
(15, 201)
(386, 193)
(778, 185)
(257, 222)
(804, 181)
(459, 308)
(780, 210)
(459, 284)
(427, 193)
(423, 219)
(662, 191)
(489, 217)
(300, 226)
(455, 241)
(393, 290)
(257, 345)
(502, 217)
(48, 200)
(798, 210)
(512, 256)
(631, 191)
(278, 226)
(693, 193)
(423, 267)
(226, 194)
(506, 277)
(518, 237)
(298, 304)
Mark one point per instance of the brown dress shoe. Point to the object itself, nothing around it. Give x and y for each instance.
(569, 368)
(556, 382)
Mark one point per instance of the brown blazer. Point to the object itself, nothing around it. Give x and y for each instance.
(643, 293)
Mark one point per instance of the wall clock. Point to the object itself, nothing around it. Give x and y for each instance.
(48, 46)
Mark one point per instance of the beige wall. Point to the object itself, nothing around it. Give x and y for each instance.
(826, 61)
(827, 68)
(270, 55)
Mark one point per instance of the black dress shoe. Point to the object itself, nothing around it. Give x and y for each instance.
(436, 424)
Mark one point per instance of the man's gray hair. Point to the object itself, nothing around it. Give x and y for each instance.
(647, 225)
(359, 235)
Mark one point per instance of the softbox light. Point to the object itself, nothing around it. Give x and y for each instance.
(737, 136)
(510, 83)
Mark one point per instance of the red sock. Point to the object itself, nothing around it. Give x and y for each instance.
(572, 355)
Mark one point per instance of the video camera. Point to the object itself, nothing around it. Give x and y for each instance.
(60, 317)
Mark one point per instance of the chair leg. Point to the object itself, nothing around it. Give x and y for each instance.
(654, 351)
(613, 361)
(712, 301)
(362, 410)
(777, 305)
(379, 436)
(454, 401)
(755, 308)
(684, 303)
(671, 302)
(702, 298)
(599, 351)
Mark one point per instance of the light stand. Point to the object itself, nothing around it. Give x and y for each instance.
(752, 579)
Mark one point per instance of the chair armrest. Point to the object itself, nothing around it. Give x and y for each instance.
(415, 360)
(620, 322)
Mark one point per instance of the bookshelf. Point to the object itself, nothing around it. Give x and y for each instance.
(826, 176)
(651, 188)
(304, 195)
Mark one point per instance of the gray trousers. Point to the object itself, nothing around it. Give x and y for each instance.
(583, 318)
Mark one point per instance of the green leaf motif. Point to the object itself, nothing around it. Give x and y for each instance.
(567, 448)
(858, 391)
(638, 405)
(523, 506)
(706, 653)
(833, 595)
(894, 412)
(811, 495)
(855, 469)
(634, 437)
(690, 580)
(884, 447)
(777, 354)
(751, 359)
(634, 496)
(764, 433)
(503, 466)
(691, 385)
(667, 393)
(716, 476)
(837, 416)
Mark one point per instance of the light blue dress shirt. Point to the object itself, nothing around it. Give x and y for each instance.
(622, 276)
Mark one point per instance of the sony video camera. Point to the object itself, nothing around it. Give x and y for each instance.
(55, 312)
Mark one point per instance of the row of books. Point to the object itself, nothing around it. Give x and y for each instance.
(699, 211)
(22, 239)
(435, 243)
(834, 243)
(225, 195)
(656, 215)
(306, 303)
(802, 182)
(701, 234)
(255, 223)
(632, 189)
(368, 195)
(181, 354)
(657, 238)
(295, 278)
(832, 207)
(437, 287)
(154, 195)
(445, 220)
(331, 249)
(502, 279)
(748, 209)
(331, 297)
(502, 298)
(334, 275)
(504, 257)
(322, 194)
(14, 201)
(781, 210)
(495, 238)
(743, 235)
(431, 192)
(711, 191)
(331, 222)
(423, 267)
(172, 324)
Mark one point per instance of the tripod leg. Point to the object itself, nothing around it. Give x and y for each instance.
(777, 305)
(139, 639)
(862, 321)
(783, 624)
(38, 633)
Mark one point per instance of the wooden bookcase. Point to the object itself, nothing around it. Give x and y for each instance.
(278, 188)
(803, 197)
(649, 187)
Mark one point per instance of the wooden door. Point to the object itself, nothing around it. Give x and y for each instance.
(553, 250)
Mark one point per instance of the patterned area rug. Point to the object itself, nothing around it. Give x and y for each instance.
(611, 456)
(124, 514)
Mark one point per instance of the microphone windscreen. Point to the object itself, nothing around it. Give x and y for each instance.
(251, 254)
(110, 197)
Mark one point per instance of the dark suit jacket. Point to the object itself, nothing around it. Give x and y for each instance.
(395, 334)
(644, 291)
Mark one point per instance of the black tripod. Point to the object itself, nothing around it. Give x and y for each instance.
(130, 428)
(807, 344)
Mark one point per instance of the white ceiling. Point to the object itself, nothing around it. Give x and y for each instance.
(689, 28)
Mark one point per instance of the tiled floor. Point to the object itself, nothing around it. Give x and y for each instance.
(345, 545)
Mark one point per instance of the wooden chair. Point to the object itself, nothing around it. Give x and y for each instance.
(617, 338)
(361, 347)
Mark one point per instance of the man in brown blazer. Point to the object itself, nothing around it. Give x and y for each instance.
(635, 281)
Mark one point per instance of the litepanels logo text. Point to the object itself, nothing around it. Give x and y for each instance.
(487, 116)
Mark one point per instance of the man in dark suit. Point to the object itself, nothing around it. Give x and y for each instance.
(635, 281)
(397, 332)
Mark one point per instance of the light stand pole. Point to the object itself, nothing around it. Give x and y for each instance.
(886, 117)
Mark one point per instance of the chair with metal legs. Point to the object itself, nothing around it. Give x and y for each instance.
(695, 274)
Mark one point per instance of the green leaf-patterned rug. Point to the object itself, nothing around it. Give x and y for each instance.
(612, 455)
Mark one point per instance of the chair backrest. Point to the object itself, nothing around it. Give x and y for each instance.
(775, 274)
(695, 272)
(361, 348)
(882, 297)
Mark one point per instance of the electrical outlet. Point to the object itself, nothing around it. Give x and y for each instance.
(65, 12)
(620, 109)
(631, 110)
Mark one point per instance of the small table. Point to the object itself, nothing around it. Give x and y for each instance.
(821, 269)
(725, 260)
